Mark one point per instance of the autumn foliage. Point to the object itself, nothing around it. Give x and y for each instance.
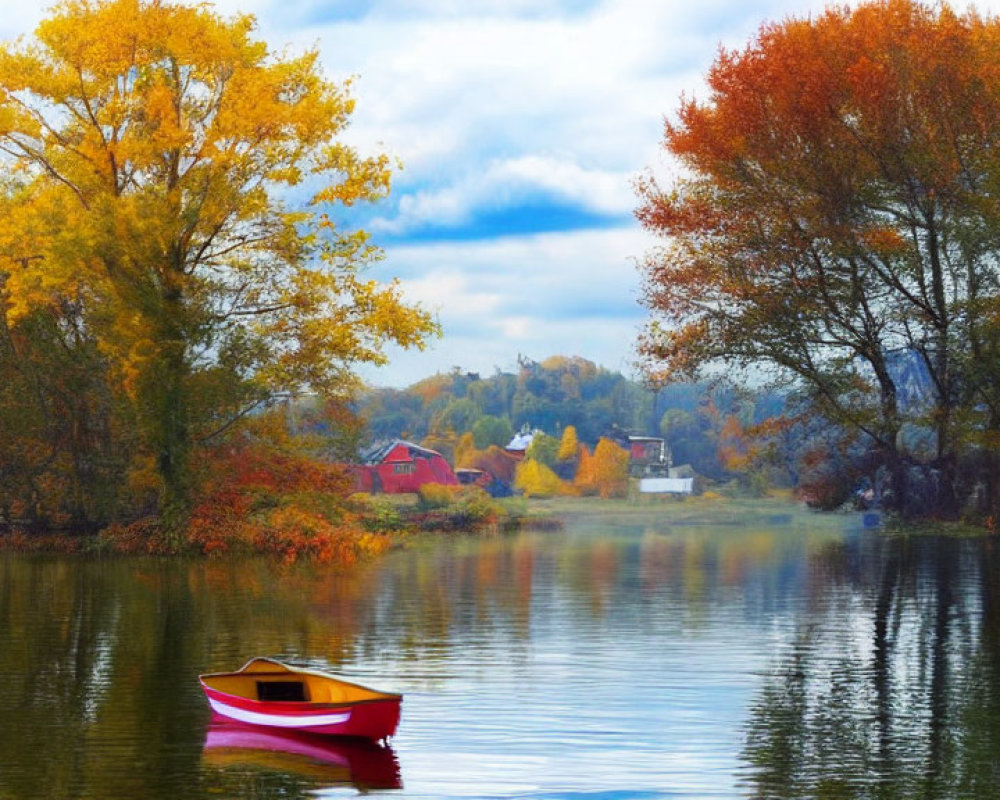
(604, 473)
(536, 479)
(149, 149)
(262, 501)
(569, 445)
(836, 223)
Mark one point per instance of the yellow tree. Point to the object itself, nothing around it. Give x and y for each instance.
(569, 445)
(465, 453)
(157, 147)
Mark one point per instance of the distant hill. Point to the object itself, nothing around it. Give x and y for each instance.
(557, 392)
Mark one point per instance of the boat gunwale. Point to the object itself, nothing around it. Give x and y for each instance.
(287, 669)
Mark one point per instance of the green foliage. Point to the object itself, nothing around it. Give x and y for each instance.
(379, 514)
(63, 433)
(461, 505)
(544, 449)
(458, 416)
(489, 430)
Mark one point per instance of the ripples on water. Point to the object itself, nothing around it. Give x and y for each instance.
(604, 661)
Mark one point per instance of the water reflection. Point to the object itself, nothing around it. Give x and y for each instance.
(248, 753)
(626, 658)
(890, 686)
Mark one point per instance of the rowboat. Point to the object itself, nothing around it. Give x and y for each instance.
(270, 694)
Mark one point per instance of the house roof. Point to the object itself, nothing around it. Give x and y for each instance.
(380, 452)
(521, 441)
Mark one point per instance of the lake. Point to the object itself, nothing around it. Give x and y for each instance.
(628, 655)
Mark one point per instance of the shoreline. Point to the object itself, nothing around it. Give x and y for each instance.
(394, 519)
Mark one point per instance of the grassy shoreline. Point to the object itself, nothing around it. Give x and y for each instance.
(379, 523)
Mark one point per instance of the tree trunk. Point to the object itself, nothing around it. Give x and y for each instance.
(174, 447)
(170, 421)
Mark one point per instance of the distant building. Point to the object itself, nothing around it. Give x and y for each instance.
(519, 445)
(666, 485)
(399, 467)
(649, 456)
(485, 480)
(472, 477)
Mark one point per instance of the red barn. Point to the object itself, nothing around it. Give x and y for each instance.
(399, 467)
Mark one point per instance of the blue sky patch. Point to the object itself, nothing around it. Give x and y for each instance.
(514, 221)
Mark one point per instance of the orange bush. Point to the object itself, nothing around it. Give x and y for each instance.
(604, 473)
(292, 533)
(266, 501)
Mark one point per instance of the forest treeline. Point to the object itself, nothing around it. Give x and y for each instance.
(715, 428)
(752, 439)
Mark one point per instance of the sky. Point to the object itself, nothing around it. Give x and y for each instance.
(521, 126)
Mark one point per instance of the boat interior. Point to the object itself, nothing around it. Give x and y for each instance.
(273, 682)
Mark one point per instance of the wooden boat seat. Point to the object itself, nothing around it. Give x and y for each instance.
(281, 691)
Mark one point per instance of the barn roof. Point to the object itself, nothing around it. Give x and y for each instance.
(379, 452)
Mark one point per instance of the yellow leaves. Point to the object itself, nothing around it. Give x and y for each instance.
(569, 445)
(151, 138)
(362, 179)
(535, 479)
(465, 453)
(604, 473)
(142, 478)
(96, 38)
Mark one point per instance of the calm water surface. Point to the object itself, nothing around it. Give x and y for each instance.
(794, 657)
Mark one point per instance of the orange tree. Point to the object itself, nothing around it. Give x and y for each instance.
(604, 473)
(153, 147)
(837, 222)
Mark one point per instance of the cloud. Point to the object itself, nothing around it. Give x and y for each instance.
(527, 180)
(539, 295)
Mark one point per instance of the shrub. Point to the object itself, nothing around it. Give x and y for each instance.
(438, 495)
(292, 533)
(381, 515)
(535, 479)
(265, 500)
(460, 506)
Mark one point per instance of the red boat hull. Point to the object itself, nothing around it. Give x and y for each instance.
(374, 719)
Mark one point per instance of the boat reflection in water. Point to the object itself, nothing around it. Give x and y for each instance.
(324, 760)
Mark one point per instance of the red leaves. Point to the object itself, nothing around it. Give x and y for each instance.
(265, 501)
